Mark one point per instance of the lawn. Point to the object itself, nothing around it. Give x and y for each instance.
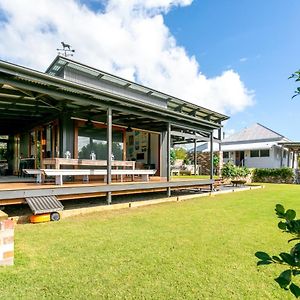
(195, 249)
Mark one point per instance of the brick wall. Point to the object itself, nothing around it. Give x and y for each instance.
(6, 242)
(203, 160)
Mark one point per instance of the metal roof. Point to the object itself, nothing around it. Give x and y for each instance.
(255, 132)
(29, 97)
(173, 103)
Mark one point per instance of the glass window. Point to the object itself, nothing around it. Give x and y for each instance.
(48, 141)
(3, 151)
(225, 154)
(3, 147)
(265, 153)
(32, 144)
(94, 139)
(254, 153)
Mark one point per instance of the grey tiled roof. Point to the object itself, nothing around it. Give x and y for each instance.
(256, 132)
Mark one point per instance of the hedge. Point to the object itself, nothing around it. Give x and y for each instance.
(283, 175)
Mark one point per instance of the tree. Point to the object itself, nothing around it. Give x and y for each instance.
(180, 153)
(172, 156)
(177, 153)
(291, 260)
(296, 76)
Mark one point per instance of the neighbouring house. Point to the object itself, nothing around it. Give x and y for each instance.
(256, 147)
(85, 119)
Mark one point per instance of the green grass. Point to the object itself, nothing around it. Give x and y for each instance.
(196, 249)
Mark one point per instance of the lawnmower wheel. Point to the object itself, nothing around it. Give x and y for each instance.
(55, 216)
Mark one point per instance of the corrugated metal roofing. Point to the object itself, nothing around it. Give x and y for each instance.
(56, 89)
(255, 132)
(44, 204)
(173, 103)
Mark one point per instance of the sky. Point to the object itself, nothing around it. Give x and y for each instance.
(232, 56)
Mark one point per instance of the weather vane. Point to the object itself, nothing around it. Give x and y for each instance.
(66, 50)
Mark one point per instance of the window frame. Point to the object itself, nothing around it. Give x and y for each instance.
(264, 150)
(226, 156)
(256, 151)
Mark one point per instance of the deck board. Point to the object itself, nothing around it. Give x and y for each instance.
(12, 193)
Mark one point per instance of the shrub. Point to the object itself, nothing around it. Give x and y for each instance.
(216, 160)
(186, 161)
(273, 175)
(289, 260)
(229, 170)
(172, 156)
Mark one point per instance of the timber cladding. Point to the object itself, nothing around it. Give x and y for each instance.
(7, 242)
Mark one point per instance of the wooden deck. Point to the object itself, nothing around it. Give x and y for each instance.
(16, 192)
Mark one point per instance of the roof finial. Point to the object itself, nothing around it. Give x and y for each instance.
(66, 50)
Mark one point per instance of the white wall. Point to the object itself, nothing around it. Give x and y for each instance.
(273, 161)
(285, 159)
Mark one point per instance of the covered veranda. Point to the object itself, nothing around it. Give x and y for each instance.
(46, 115)
(293, 150)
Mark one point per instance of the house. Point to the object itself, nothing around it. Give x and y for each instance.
(258, 147)
(77, 116)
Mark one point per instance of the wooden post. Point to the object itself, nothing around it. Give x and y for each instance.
(220, 165)
(168, 157)
(124, 144)
(35, 148)
(220, 138)
(211, 154)
(195, 157)
(149, 150)
(109, 151)
(293, 159)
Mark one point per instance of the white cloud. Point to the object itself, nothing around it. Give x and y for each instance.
(128, 38)
(243, 59)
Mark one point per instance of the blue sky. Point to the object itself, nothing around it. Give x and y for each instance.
(233, 56)
(259, 40)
